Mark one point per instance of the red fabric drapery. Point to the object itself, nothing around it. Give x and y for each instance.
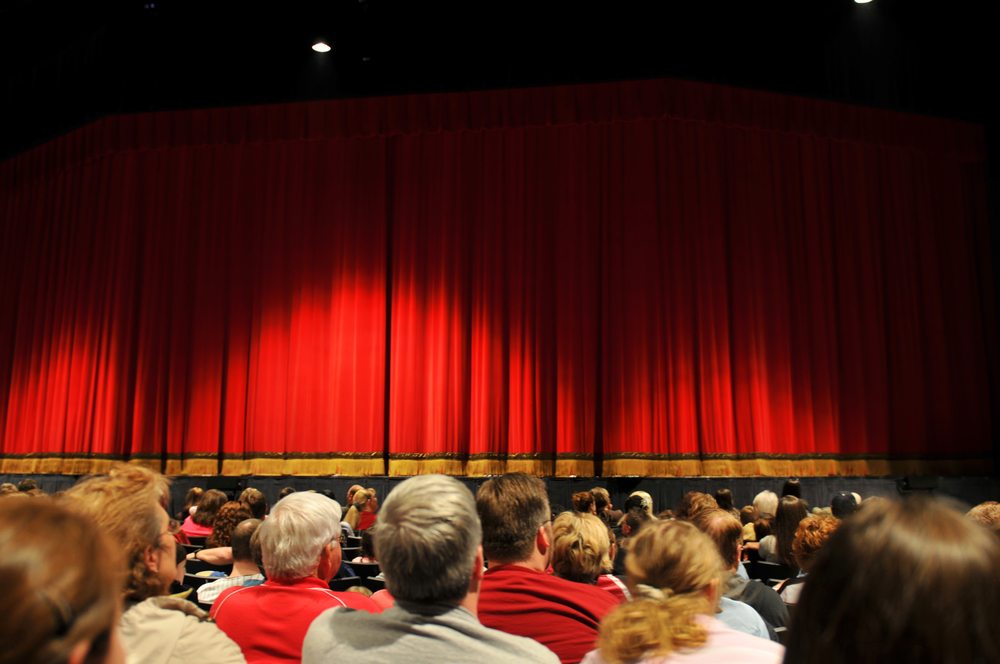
(655, 277)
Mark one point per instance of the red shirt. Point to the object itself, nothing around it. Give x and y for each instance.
(192, 529)
(559, 614)
(269, 621)
(366, 521)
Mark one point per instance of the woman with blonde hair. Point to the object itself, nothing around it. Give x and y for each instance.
(361, 515)
(581, 552)
(675, 574)
(61, 603)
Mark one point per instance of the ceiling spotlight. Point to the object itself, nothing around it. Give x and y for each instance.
(321, 47)
(862, 2)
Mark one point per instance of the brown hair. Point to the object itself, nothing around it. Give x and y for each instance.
(59, 579)
(791, 510)
(511, 508)
(583, 501)
(229, 516)
(725, 531)
(670, 566)
(986, 514)
(692, 503)
(580, 546)
(901, 582)
(192, 498)
(126, 505)
(811, 535)
(601, 498)
(208, 507)
(254, 500)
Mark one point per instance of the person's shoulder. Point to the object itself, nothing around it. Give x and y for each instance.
(521, 648)
(357, 601)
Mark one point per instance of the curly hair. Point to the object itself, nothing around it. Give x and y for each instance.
(810, 536)
(208, 507)
(230, 515)
(670, 566)
(580, 545)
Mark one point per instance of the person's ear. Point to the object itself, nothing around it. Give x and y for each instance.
(477, 571)
(150, 557)
(712, 592)
(542, 539)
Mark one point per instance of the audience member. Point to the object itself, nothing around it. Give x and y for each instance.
(285, 492)
(361, 515)
(693, 502)
(605, 509)
(246, 570)
(191, 500)
(8, 488)
(429, 548)
(726, 533)
(747, 516)
(901, 582)
(350, 493)
(27, 485)
(766, 504)
(674, 573)
(812, 533)
(229, 515)
(300, 547)
(643, 499)
(843, 504)
(367, 547)
(580, 551)
(724, 499)
(792, 487)
(517, 596)
(127, 505)
(61, 603)
(201, 522)
(254, 500)
(583, 501)
(777, 548)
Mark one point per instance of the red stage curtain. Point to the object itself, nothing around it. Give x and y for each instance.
(648, 278)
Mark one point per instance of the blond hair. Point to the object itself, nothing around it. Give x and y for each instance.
(580, 545)
(353, 516)
(671, 568)
(126, 505)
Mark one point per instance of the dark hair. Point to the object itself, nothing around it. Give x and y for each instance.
(791, 510)
(511, 508)
(635, 518)
(843, 504)
(792, 487)
(368, 542)
(241, 540)
(762, 526)
(285, 491)
(748, 514)
(27, 484)
(901, 582)
(724, 498)
(601, 498)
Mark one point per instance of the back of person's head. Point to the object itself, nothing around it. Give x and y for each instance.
(229, 515)
(60, 585)
(126, 504)
(843, 504)
(766, 503)
(208, 507)
(724, 498)
(583, 501)
(791, 511)
(644, 500)
(428, 539)
(693, 502)
(368, 542)
(8, 488)
(901, 582)
(792, 487)
(511, 508)
(634, 520)
(986, 514)
(724, 530)
(361, 498)
(285, 492)
(601, 498)
(254, 501)
(671, 568)
(350, 493)
(748, 514)
(580, 546)
(192, 498)
(26, 485)
(294, 535)
(242, 540)
(812, 533)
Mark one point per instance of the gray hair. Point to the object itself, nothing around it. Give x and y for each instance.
(766, 502)
(426, 539)
(294, 534)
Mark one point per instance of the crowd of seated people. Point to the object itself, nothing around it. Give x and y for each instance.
(495, 576)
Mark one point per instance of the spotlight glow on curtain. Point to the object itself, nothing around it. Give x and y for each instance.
(650, 278)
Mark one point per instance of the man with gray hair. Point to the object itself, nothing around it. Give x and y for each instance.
(300, 546)
(429, 548)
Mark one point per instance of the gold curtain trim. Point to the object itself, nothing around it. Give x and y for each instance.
(801, 467)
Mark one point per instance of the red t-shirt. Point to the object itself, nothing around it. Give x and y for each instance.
(366, 521)
(269, 621)
(192, 529)
(559, 614)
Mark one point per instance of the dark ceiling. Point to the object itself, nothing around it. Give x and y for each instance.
(66, 63)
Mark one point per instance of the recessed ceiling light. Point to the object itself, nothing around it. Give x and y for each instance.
(862, 2)
(321, 47)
